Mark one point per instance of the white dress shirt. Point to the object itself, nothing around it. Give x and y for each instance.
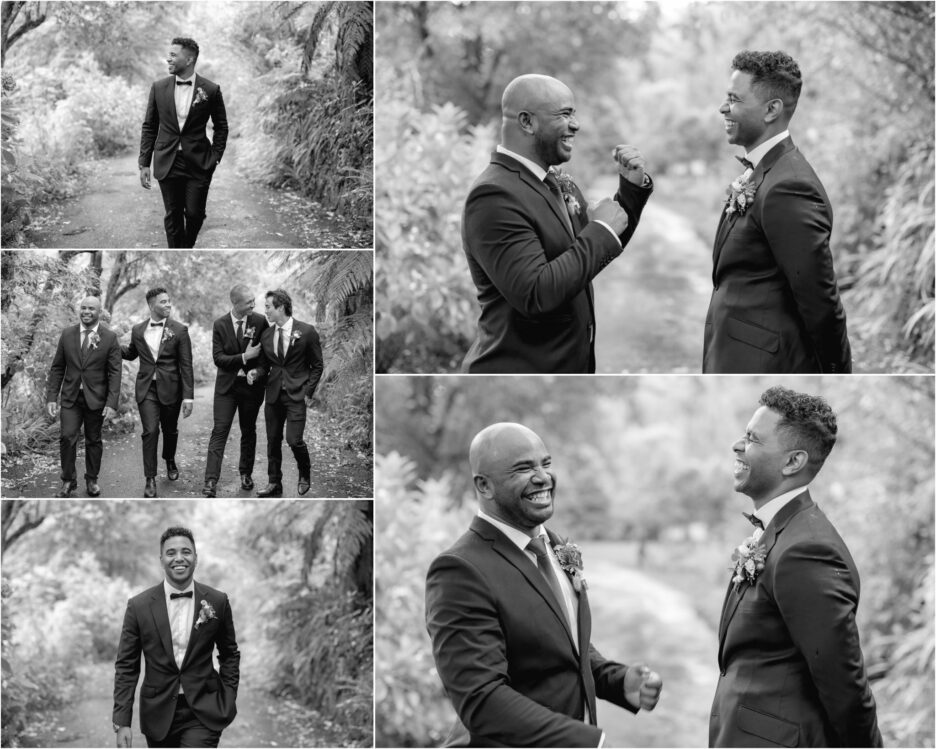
(286, 331)
(181, 620)
(183, 100)
(768, 511)
(81, 336)
(153, 336)
(759, 152)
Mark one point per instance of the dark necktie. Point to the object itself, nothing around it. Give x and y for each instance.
(240, 336)
(186, 594)
(553, 184)
(744, 162)
(754, 520)
(183, 83)
(538, 547)
(86, 334)
(281, 345)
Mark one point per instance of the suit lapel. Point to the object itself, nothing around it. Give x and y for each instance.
(197, 597)
(143, 348)
(169, 93)
(560, 212)
(161, 619)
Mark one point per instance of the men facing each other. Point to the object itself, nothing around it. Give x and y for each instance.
(86, 369)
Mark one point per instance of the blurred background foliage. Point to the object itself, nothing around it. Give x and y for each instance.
(654, 74)
(69, 568)
(40, 291)
(643, 470)
(296, 77)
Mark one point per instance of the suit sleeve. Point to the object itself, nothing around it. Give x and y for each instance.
(149, 130)
(127, 668)
(114, 373)
(471, 659)
(797, 224)
(316, 363)
(632, 198)
(609, 679)
(56, 372)
(817, 598)
(219, 119)
(228, 654)
(129, 352)
(505, 243)
(186, 370)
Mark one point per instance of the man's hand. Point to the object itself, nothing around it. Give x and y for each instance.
(252, 351)
(186, 409)
(124, 736)
(630, 164)
(251, 376)
(109, 413)
(52, 408)
(611, 213)
(644, 684)
(145, 180)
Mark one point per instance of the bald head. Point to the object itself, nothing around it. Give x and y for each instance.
(497, 441)
(529, 93)
(89, 311)
(538, 119)
(242, 300)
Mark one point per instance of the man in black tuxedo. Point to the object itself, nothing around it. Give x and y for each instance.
(533, 246)
(792, 672)
(174, 139)
(86, 368)
(291, 355)
(775, 306)
(176, 626)
(235, 341)
(165, 384)
(508, 614)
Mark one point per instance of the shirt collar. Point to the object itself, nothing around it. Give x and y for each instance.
(767, 513)
(756, 154)
(518, 537)
(532, 166)
(235, 320)
(92, 328)
(167, 588)
(191, 78)
(164, 321)
(287, 326)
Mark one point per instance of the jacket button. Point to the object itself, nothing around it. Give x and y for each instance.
(723, 672)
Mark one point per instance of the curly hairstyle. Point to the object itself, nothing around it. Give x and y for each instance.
(172, 533)
(775, 75)
(190, 44)
(281, 299)
(155, 291)
(807, 422)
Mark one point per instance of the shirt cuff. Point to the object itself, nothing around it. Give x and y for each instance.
(601, 742)
(613, 234)
(187, 400)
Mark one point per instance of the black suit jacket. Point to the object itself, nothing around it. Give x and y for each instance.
(97, 373)
(533, 273)
(226, 350)
(775, 307)
(792, 672)
(176, 378)
(504, 650)
(299, 374)
(161, 127)
(211, 694)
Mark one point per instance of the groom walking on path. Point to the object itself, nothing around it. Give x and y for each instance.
(174, 139)
(176, 626)
(775, 306)
(508, 614)
(86, 368)
(792, 672)
(235, 342)
(533, 246)
(165, 383)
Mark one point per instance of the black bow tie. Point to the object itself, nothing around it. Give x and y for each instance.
(183, 83)
(754, 520)
(186, 594)
(157, 324)
(744, 162)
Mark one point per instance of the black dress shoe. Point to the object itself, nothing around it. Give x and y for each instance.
(93, 488)
(211, 488)
(304, 486)
(272, 490)
(246, 482)
(150, 490)
(172, 470)
(67, 488)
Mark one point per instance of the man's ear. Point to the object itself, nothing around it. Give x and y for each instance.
(774, 110)
(482, 485)
(525, 121)
(796, 461)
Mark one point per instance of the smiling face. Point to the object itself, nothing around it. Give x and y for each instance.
(243, 305)
(180, 61)
(514, 478)
(276, 315)
(744, 113)
(555, 127)
(761, 458)
(89, 312)
(160, 306)
(179, 560)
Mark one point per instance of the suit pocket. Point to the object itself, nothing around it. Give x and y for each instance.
(768, 727)
(753, 335)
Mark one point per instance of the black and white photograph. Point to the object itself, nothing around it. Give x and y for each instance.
(187, 373)
(241, 623)
(187, 124)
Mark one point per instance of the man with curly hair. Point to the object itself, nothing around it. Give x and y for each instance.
(791, 668)
(174, 139)
(775, 306)
(176, 626)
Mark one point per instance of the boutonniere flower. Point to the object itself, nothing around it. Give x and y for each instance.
(94, 339)
(200, 96)
(207, 612)
(749, 561)
(570, 559)
(250, 332)
(168, 335)
(296, 335)
(567, 188)
(740, 194)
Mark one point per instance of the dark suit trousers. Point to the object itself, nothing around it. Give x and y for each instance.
(245, 400)
(185, 194)
(292, 415)
(72, 418)
(186, 729)
(154, 415)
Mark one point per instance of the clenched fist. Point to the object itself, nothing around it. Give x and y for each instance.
(630, 164)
